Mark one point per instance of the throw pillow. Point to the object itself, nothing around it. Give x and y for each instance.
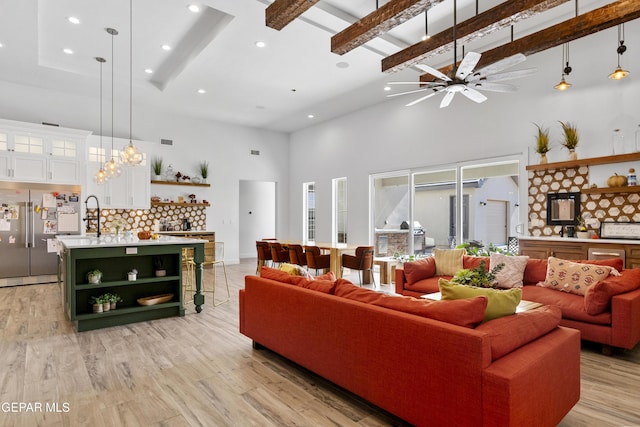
(573, 277)
(470, 262)
(274, 274)
(327, 276)
(512, 273)
(420, 269)
(448, 261)
(295, 270)
(598, 297)
(501, 302)
(325, 286)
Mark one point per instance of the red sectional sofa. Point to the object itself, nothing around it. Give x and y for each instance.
(519, 370)
(609, 313)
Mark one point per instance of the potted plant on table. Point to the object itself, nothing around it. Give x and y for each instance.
(570, 139)
(542, 143)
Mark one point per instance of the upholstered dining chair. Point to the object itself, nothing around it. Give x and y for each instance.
(278, 253)
(361, 261)
(264, 254)
(297, 255)
(316, 260)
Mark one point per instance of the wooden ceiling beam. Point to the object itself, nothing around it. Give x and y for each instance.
(380, 21)
(583, 25)
(494, 19)
(279, 13)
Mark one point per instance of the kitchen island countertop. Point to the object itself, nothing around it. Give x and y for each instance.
(77, 242)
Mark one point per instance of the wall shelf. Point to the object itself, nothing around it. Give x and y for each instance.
(188, 184)
(179, 204)
(619, 158)
(612, 190)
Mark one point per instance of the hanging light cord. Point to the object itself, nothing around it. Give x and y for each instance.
(130, 70)
(113, 33)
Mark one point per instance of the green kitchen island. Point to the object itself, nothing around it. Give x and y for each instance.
(116, 257)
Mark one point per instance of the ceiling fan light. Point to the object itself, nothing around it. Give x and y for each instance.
(563, 85)
(618, 74)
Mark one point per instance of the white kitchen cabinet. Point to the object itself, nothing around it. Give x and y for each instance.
(29, 168)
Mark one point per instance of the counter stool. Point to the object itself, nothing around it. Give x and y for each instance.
(217, 259)
(188, 282)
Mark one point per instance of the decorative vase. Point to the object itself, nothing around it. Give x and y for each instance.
(583, 234)
(132, 277)
(97, 308)
(157, 177)
(106, 306)
(573, 155)
(94, 278)
(161, 273)
(113, 305)
(543, 158)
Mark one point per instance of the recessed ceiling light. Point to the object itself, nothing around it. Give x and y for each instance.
(148, 70)
(387, 88)
(311, 116)
(194, 8)
(166, 47)
(260, 43)
(73, 20)
(342, 64)
(67, 51)
(202, 91)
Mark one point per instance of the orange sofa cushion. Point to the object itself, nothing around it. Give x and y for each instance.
(467, 312)
(420, 269)
(598, 297)
(511, 332)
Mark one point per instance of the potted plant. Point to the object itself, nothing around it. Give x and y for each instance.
(478, 276)
(582, 232)
(132, 275)
(106, 304)
(156, 166)
(113, 300)
(542, 143)
(97, 304)
(158, 263)
(94, 276)
(570, 139)
(204, 171)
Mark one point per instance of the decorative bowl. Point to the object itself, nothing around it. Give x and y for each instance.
(155, 299)
(144, 235)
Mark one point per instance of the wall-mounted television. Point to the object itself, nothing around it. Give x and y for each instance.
(563, 208)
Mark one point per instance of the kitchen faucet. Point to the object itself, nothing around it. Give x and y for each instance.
(88, 217)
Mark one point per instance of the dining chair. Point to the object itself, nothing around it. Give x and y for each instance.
(264, 254)
(297, 255)
(361, 261)
(316, 260)
(278, 253)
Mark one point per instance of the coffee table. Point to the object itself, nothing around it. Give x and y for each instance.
(523, 306)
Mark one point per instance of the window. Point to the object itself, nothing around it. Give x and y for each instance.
(309, 209)
(391, 207)
(340, 210)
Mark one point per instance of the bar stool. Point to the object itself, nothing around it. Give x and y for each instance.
(297, 255)
(315, 260)
(217, 259)
(188, 283)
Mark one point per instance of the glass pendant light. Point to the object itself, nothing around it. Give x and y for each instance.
(111, 167)
(131, 155)
(619, 73)
(101, 175)
(566, 70)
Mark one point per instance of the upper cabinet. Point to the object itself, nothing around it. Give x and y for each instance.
(38, 153)
(130, 190)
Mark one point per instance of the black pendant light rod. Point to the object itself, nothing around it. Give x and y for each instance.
(455, 42)
(130, 70)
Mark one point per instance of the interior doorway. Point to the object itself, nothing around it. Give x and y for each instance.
(257, 215)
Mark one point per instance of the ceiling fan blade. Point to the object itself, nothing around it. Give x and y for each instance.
(447, 99)
(492, 87)
(434, 72)
(408, 92)
(473, 95)
(423, 98)
(510, 75)
(414, 83)
(507, 62)
(467, 65)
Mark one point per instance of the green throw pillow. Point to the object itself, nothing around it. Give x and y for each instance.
(501, 302)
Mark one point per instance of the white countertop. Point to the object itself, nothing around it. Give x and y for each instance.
(575, 239)
(77, 242)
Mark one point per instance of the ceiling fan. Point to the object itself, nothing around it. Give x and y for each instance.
(465, 80)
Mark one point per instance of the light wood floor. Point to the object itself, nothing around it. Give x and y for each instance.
(200, 371)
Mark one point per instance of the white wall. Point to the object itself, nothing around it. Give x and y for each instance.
(227, 148)
(389, 136)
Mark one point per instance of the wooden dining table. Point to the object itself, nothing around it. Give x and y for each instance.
(335, 251)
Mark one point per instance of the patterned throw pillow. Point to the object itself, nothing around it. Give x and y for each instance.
(574, 277)
(448, 261)
(295, 270)
(513, 271)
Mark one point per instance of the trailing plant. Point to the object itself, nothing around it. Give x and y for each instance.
(478, 276)
(542, 140)
(570, 135)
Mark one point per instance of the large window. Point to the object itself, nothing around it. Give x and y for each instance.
(309, 209)
(339, 223)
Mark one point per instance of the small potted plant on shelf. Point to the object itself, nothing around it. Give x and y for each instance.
(94, 276)
(204, 171)
(156, 165)
(582, 232)
(113, 300)
(132, 275)
(158, 263)
(542, 143)
(97, 304)
(570, 139)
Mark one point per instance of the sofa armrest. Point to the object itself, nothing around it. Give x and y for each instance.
(401, 280)
(625, 319)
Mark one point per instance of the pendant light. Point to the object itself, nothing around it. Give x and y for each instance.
(426, 25)
(101, 175)
(111, 167)
(131, 155)
(619, 73)
(566, 70)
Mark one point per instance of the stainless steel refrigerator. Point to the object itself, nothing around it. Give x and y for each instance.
(31, 215)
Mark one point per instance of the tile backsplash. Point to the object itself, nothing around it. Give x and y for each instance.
(143, 219)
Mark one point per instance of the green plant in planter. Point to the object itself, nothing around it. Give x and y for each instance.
(542, 140)
(156, 165)
(204, 169)
(475, 248)
(478, 276)
(570, 135)
(94, 276)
